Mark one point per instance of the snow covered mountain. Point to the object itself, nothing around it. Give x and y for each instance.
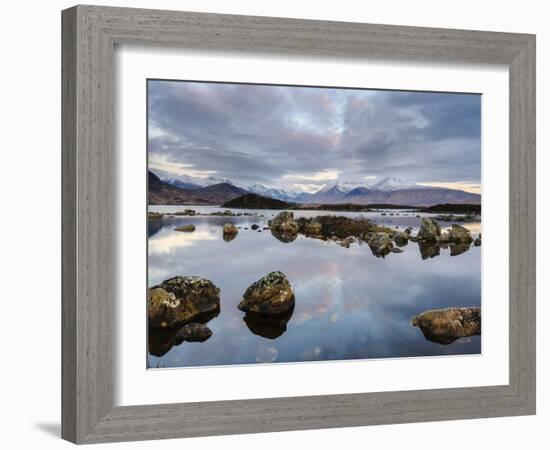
(389, 190)
(392, 184)
(279, 194)
(188, 182)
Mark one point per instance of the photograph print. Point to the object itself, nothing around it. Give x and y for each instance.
(291, 224)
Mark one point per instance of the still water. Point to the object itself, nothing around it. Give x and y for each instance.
(349, 303)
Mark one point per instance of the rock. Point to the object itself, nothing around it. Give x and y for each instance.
(194, 332)
(180, 300)
(396, 250)
(230, 232)
(269, 326)
(254, 226)
(380, 244)
(313, 229)
(477, 242)
(284, 222)
(188, 228)
(271, 294)
(401, 239)
(445, 326)
(428, 249)
(429, 230)
(347, 241)
(154, 215)
(459, 234)
(186, 212)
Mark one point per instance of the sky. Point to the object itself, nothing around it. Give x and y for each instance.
(302, 138)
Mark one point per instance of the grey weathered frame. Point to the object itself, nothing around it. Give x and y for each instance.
(89, 36)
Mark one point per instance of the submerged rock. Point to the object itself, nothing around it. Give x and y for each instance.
(429, 230)
(271, 294)
(180, 300)
(380, 244)
(445, 326)
(194, 332)
(188, 228)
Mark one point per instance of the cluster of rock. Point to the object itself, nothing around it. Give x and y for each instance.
(380, 239)
(430, 239)
(179, 308)
(445, 326)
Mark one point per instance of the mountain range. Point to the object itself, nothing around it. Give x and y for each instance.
(216, 191)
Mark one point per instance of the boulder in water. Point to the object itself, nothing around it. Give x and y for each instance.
(445, 326)
(271, 294)
(429, 230)
(180, 300)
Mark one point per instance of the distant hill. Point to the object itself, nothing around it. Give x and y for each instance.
(388, 191)
(162, 193)
(255, 201)
(454, 209)
(416, 196)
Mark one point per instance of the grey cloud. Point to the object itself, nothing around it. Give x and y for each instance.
(259, 133)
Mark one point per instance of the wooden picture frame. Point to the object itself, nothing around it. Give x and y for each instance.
(90, 34)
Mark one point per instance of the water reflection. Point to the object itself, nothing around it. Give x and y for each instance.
(428, 250)
(284, 237)
(268, 326)
(349, 304)
(161, 340)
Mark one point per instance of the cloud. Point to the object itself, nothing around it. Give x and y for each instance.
(323, 175)
(289, 136)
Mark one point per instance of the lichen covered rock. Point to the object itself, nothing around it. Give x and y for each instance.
(445, 326)
(180, 300)
(284, 223)
(271, 294)
(429, 230)
(380, 244)
(401, 238)
(459, 234)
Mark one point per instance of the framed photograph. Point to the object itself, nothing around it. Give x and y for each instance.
(277, 224)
